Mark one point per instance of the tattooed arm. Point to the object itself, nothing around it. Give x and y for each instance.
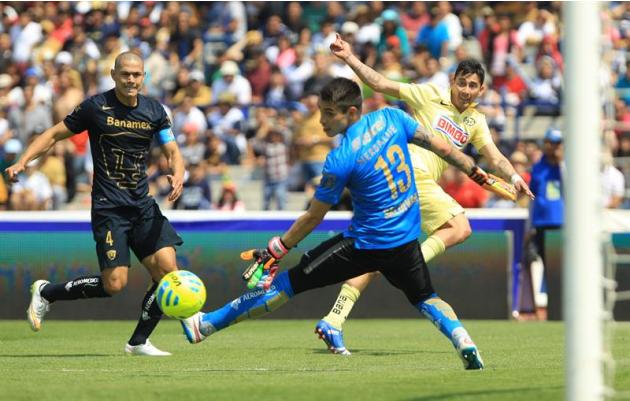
(503, 168)
(341, 49)
(445, 150)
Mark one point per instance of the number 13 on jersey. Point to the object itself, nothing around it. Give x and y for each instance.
(395, 160)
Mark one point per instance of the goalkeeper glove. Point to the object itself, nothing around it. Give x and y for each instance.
(265, 266)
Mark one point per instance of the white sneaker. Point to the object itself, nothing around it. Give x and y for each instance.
(146, 349)
(38, 307)
(192, 328)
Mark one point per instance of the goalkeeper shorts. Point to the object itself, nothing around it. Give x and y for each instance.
(337, 260)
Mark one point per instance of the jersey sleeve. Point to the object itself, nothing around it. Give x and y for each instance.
(78, 120)
(415, 95)
(335, 175)
(481, 134)
(406, 122)
(164, 130)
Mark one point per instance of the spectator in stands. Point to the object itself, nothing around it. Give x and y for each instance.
(192, 149)
(623, 84)
(272, 152)
(196, 192)
(277, 94)
(229, 201)
(258, 74)
(234, 83)
(434, 36)
(188, 113)
(299, 72)
(613, 183)
(53, 167)
(32, 191)
(321, 73)
(392, 32)
(12, 149)
(413, 18)
(33, 118)
(502, 43)
(196, 89)
(463, 189)
(228, 123)
(310, 142)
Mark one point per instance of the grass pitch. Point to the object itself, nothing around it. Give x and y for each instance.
(406, 360)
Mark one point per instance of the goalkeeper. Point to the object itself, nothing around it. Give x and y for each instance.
(452, 116)
(373, 162)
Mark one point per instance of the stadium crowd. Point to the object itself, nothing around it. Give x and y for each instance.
(240, 82)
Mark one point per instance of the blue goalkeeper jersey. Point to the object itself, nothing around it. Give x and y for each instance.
(373, 163)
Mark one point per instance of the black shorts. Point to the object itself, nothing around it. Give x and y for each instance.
(337, 260)
(116, 230)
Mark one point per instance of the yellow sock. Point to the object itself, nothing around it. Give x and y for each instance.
(432, 247)
(342, 307)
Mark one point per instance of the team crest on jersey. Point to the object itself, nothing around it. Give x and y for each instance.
(111, 254)
(469, 121)
(328, 181)
(456, 133)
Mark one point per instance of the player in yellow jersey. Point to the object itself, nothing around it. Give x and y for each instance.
(450, 115)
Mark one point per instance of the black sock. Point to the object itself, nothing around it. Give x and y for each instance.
(151, 315)
(82, 287)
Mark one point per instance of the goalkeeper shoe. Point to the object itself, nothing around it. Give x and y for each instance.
(38, 307)
(146, 349)
(192, 328)
(332, 337)
(471, 357)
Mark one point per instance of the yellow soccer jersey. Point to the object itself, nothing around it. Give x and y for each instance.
(432, 107)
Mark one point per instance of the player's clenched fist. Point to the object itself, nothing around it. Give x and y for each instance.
(13, 171)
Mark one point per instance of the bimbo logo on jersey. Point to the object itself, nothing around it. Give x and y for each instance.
(454, 131)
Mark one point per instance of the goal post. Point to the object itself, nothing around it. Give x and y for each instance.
(583, 264)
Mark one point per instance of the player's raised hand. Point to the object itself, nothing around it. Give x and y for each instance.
(177, 183)
(521, 186)
(340, 48)
(13, 171)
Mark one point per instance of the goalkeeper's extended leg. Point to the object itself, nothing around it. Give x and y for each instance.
(444, 318)
(250, 305)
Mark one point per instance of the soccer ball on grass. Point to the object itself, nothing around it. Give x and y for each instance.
(180, 294)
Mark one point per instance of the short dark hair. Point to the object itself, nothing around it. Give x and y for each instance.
(471, 66)
(343, 93)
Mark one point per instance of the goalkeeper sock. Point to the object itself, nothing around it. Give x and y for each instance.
(432, 247)
(252, 304)
(151, 315)
(342, 307)
(83, 287)
(444, 318)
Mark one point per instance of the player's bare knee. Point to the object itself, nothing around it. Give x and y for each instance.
(113, 286)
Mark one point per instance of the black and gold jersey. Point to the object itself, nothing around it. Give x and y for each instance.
(120, 140)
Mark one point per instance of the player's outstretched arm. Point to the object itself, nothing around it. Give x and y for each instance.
(38, 147)
(176, 163)
(446, 151)
(341, 49)
(502, 166)
(306, 223)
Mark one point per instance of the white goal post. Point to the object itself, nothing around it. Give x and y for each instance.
(583, 264)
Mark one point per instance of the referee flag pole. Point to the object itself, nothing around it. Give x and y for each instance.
(583, 266)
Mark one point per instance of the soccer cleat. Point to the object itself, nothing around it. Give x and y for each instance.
(146, 349)
(332, 337)
(38, 307)
(192, 328)
(471, 358)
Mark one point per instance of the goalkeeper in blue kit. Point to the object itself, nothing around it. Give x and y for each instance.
(373, 162)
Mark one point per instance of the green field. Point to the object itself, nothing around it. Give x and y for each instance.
(403, 360)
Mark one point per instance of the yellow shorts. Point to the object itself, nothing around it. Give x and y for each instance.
(436, 206)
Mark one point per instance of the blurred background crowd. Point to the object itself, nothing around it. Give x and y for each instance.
(240, 81)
